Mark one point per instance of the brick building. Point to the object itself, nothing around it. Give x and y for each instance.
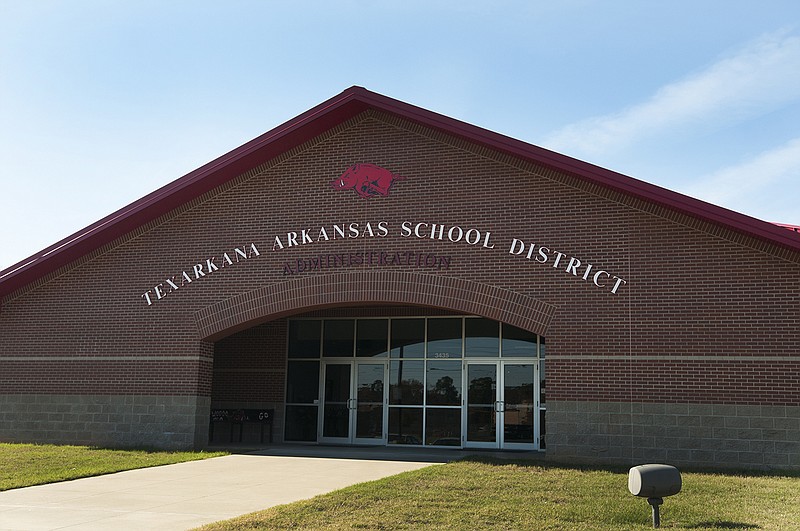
(376, 273)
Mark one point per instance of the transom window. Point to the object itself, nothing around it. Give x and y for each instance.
(425, 337)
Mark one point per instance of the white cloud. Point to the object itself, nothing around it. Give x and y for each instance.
(774, 174)
(762, 77)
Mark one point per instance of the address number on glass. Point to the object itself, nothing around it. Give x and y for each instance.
(440, 355)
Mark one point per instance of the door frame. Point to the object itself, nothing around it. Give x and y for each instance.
(500, 402)
(465, 405)
(534, 445)
(352, 402)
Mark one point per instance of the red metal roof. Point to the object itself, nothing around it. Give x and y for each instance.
(320, 119)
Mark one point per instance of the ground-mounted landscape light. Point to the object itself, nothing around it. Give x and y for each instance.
(654, 482)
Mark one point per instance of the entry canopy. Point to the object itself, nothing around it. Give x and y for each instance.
(327, 115)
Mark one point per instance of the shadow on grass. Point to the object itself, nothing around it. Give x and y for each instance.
(623, 469)
(724, 525)
(549, 465)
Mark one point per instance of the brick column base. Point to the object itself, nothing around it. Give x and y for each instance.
(164, 422)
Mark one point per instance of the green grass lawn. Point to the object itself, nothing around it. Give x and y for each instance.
(471, 494)
(23, 465)
(479, 494)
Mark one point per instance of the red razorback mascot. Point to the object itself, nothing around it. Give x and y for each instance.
(368, 180)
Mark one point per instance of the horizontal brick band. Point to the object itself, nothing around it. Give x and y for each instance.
(130, 376)
(93, 359)
(765, 357)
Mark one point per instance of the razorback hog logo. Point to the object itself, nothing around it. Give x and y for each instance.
(368, 180)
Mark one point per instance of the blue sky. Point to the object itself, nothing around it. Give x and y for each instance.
(102, 102)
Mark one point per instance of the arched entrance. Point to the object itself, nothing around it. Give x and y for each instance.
(368, 363)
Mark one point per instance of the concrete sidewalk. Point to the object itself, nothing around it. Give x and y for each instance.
(186, 495)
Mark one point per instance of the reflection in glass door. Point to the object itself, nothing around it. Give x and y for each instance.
(337, 402)
(353, 399)
(482, 405)
(518, 405)
(369, 402)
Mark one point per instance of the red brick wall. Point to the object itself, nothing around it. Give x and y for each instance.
(693, 290)
(251, 366)
(707, 381)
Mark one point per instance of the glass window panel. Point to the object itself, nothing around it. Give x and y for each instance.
(372, 337)
(443, 426)
(369, 421)
(304, 338)
(337, 383)
(541, 347)
(369, 382)
(302, 382)
(518, 423)
(338, 338)
(405, 425)
(336, 420)
(445, 337)
(336, 411)
(481, 398)
(518, 342)
(481, 424)
(301, 423)
(519, 403)
(518, 384)
(482, 338)
(542, 384)
(369, 392)
(405, 382)
(408, 338)
(444, 383)
(481, 384)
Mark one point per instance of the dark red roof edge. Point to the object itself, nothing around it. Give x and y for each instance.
(795, 228)
(320, 119)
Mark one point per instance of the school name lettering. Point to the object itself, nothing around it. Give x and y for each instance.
(370, 258)
(198, 271)
(568, 264)
(408, 229)
(325, 260)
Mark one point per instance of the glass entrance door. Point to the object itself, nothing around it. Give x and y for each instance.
(519, 406)
(501, 405)
(483, 405)
(353, 402)
(337, 402)
(369, 401)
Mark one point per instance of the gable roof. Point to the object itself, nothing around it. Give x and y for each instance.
(323, 117)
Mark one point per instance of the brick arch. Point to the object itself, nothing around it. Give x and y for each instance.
(372, 287)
